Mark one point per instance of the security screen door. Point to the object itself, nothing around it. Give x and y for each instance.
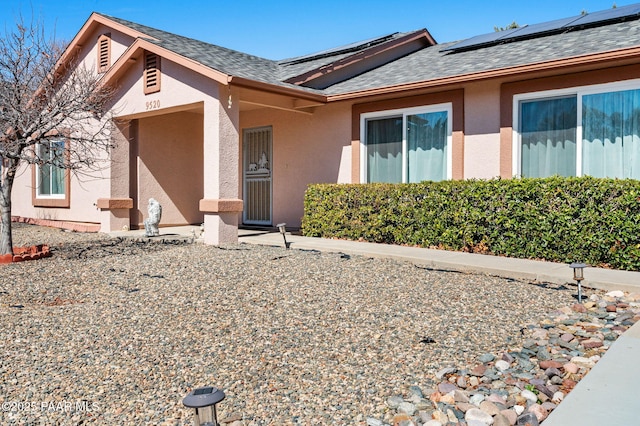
(257, 175)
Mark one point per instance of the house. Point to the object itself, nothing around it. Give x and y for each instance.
(226, 139)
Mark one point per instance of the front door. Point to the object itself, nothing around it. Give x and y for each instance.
(257, 175)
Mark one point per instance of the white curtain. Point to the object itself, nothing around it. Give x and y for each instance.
(384, 150)
(548, 132)
(427, 146)
(611, 128)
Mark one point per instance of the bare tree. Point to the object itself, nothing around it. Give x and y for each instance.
(47, 96)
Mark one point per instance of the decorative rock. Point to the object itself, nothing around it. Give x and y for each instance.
(460, 396)
(476, 399)
(579, 307)
(557, 397)
(550, 364)
(497, 399)
(446, 387)
(374, 422)
(519, 409)
(432, 423)
(510, 415)
(529, 396)
(583, 362)
(570, 367)
(502, 365)
(440, 417)
(394, 401)
(615, 293)
(448, 398)
(539, 411)
(528, 419)
(592, 343)
(406, 408)
(477, 415)
(485, 358)
(478, 370)
(501, 420)
(461, 381)
(445, 371)
(489, 408)
(402, 419)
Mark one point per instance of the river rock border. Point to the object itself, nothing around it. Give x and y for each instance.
(521, 386)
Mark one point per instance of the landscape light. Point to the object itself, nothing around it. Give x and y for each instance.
(283, 230)
(203, 401)
(578, 276)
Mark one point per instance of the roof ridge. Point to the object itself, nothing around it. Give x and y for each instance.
(145, 29)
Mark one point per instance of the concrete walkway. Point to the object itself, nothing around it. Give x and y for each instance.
(522, 269)
(606, 396)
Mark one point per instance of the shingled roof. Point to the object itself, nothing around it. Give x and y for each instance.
(428, 62)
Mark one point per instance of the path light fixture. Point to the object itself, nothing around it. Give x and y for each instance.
(282, 227)
(203, 401)
(578, 276)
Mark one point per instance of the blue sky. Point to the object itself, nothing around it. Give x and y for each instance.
(284, 29)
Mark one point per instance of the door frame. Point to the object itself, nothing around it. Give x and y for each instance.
(246, 172)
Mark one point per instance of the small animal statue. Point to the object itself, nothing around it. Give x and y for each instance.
(151, 223)
(263, 162)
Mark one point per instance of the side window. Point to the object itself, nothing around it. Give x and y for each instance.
(594, 131)
(51, 185)
(151, 73)
(408, 145)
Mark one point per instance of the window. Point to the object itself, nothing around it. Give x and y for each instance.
(151, 73)
(592, 130)
(411, 145)
(51, 178)
(104, 52)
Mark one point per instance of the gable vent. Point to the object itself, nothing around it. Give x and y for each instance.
(104, 52)
(151, 73)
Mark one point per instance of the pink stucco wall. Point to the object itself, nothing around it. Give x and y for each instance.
(482, 130)
(306, 149)
(170, 167)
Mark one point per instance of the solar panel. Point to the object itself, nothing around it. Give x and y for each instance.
(481, 40)
(609, 15)
(341, 49)
(552, 27)
(543, 28)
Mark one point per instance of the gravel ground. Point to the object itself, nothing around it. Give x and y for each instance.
(111, 331)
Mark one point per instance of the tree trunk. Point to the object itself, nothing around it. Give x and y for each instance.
(6, 184)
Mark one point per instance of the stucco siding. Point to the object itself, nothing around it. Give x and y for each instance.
(306, 149)
(482, 130)
(170, 167)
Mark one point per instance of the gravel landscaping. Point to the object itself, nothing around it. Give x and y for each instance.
(112, 331)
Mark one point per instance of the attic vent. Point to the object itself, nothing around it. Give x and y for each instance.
(104, 52)
(151, 73)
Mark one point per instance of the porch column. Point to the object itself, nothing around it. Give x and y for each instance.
(221, 204)
(115, 210)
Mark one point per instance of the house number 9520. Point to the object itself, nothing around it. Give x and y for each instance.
(153, 104)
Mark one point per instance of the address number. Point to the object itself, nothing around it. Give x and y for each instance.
(153, 105)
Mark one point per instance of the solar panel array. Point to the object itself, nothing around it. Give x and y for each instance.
(547, 28)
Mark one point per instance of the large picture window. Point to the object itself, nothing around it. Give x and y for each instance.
(407, 145)
(592, 130)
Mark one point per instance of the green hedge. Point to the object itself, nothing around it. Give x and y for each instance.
(596, 221)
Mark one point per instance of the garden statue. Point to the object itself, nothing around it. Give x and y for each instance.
(151, 223)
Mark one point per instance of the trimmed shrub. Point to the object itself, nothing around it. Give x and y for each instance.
(596, 221)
